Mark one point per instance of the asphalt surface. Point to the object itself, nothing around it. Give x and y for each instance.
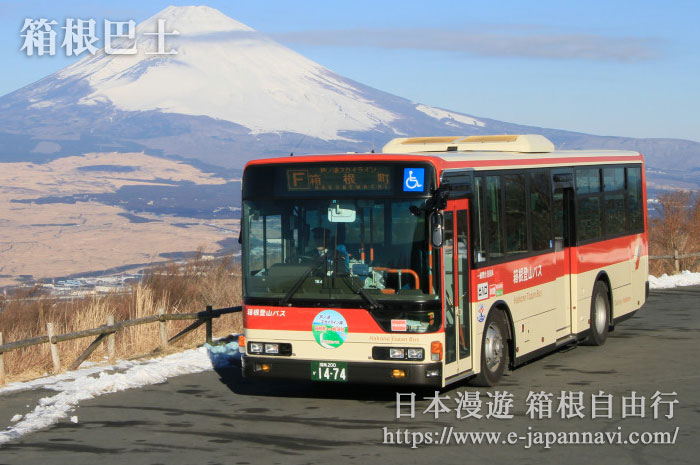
(219, 418)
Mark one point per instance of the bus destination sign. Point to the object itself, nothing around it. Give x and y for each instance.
(339, 178)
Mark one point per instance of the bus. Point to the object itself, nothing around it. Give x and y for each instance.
(438, 259)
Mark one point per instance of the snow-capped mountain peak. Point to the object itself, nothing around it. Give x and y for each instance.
(192, 20)
(226, 70)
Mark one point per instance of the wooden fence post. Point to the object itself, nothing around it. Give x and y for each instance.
(2, 365)
(208, 325)
(200, 318)
(111, 354)
(54, 349)
(676, 263)
(163, 330)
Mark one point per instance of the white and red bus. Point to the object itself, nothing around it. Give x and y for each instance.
(440, 259)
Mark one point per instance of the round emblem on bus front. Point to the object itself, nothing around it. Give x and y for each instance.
(330, 329)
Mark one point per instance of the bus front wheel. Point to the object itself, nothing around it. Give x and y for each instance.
(494, 350)
(600, 315)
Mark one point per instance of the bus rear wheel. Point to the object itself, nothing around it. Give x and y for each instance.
(600, 315)
(494, 350)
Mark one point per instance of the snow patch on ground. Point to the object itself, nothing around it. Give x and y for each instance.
(685, 278)
(95, 381)
(48, 381)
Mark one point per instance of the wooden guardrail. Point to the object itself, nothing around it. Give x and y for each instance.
(676, 257)
(106, 333)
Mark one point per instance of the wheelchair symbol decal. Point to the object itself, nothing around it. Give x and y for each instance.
(413, 179)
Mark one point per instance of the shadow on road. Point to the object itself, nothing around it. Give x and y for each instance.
(231, 376)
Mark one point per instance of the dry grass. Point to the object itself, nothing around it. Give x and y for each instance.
(677, 227)
(177, 288)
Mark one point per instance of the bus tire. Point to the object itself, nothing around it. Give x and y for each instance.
(600, 315)
(494, 350)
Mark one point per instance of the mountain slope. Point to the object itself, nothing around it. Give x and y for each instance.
(231, 94)
(226, 70)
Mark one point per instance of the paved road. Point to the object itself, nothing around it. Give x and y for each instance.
(218, 418)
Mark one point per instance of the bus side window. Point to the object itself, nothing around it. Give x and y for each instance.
(589, 225)
(541, 211)
(635, 208)
(479, 222)
(494, 222)
(515, 213)
(614, 205)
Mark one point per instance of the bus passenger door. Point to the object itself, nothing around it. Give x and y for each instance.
(457, 310)
(563, 188)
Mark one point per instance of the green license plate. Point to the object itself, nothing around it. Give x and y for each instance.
(329, 371)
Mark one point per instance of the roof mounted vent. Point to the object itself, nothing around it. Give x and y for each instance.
(519, 143)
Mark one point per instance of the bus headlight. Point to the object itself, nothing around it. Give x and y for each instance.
(282, 349)
(256, 348)
(272, 348)
(408, 354)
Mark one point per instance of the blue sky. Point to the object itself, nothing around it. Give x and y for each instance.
(626, 68)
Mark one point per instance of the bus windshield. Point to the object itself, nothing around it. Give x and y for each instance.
(370, 253)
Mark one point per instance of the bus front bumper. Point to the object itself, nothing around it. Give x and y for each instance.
(416, 374)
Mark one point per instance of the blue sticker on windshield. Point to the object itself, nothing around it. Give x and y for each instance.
(413, 179)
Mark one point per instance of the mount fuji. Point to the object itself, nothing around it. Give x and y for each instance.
(231, 94)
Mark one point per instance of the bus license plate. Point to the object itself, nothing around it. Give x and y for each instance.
(329, 371)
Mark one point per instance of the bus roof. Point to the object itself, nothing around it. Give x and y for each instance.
(523, 143)
(507, 148)
(476, 151)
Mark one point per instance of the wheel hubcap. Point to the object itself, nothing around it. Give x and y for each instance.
(493, 347)
(600, 314)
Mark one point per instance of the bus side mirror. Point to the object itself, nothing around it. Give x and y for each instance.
(437, 229)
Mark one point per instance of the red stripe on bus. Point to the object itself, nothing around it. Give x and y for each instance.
(605, 253)
(505, 278)
(301, 319)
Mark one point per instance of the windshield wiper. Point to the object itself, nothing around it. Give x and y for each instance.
(373, 304)
(313, 268)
